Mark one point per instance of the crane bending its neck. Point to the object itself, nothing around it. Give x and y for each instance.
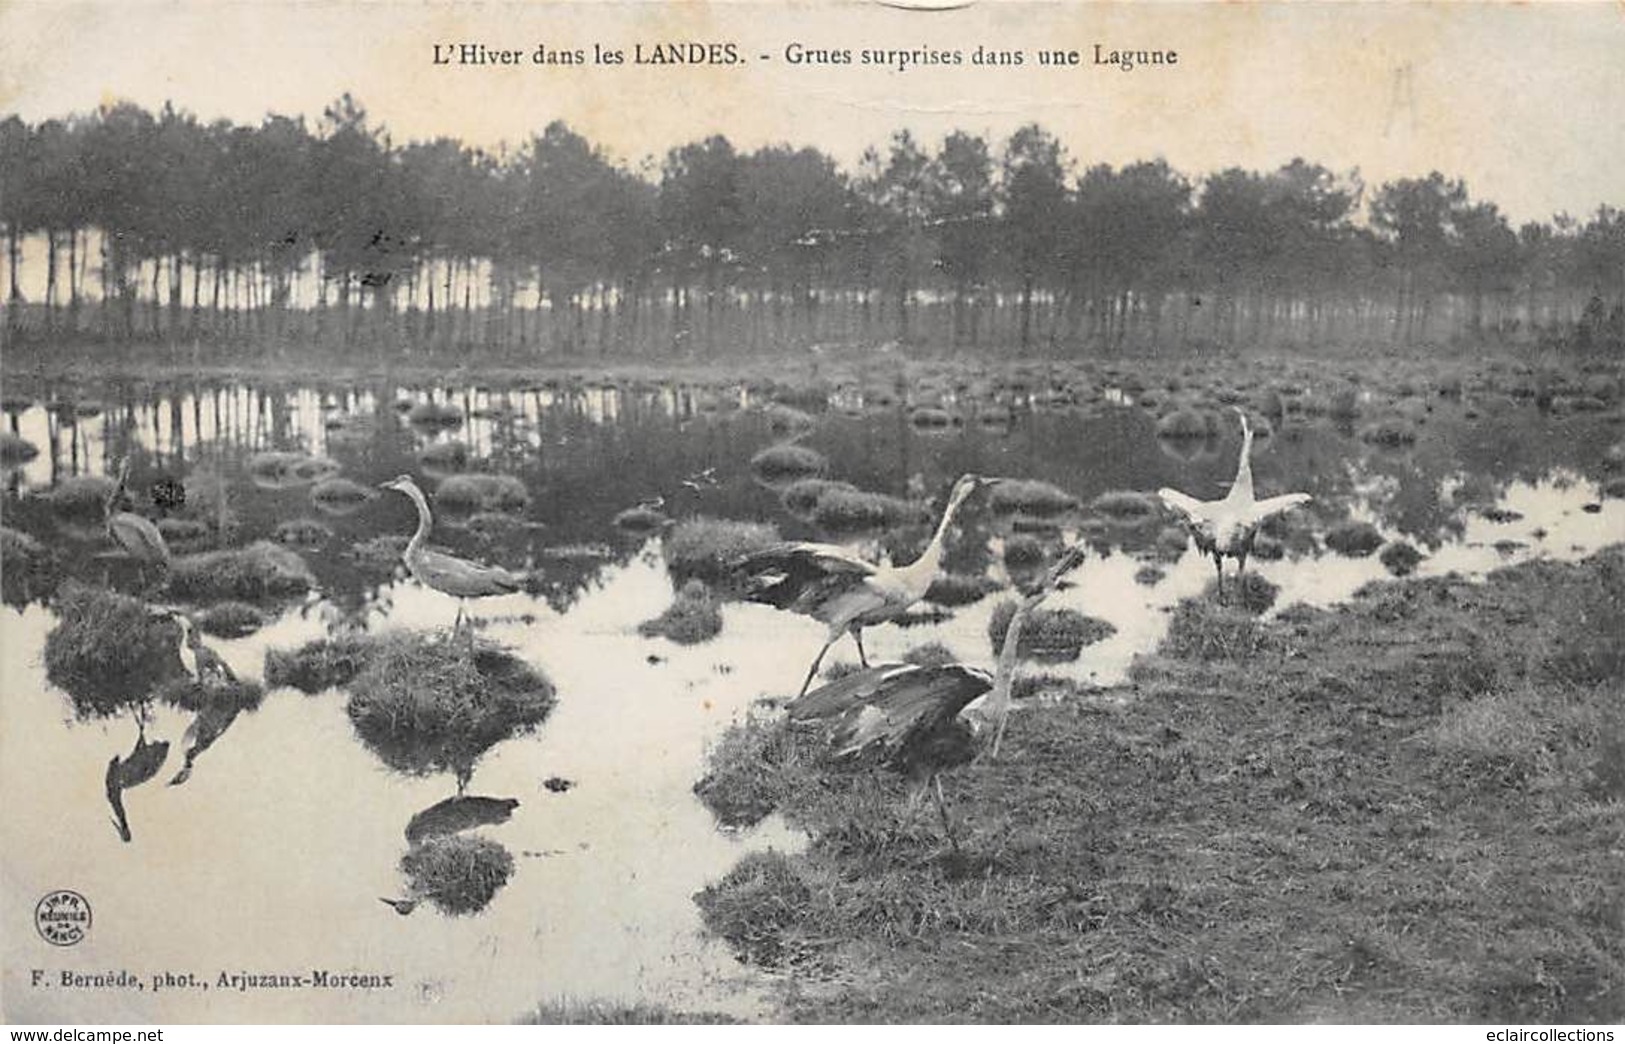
(924, 569)
(1242, 488)
(425, 520)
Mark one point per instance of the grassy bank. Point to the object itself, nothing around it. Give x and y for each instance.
(1405, 809)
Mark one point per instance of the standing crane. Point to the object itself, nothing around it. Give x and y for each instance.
(1229, 526)
(831, 584)
(136, 535)
(924, 721)
(445, 573)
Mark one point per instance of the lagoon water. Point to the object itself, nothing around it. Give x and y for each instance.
(272, 858)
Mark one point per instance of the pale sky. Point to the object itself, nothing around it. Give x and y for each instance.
(1526, 102)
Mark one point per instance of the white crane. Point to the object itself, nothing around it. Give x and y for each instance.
(831, 584)
(1229, 526)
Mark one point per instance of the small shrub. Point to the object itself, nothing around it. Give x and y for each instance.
(108, 651)
(1400, 558)
(28, 569)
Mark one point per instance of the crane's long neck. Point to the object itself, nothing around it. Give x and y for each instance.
(925, 568)
(1241, 490)
(425, 520)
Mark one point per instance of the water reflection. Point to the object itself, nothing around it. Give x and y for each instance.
(586, 890)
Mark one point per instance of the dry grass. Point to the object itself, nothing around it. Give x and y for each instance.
(1403, 809)
(460, 874)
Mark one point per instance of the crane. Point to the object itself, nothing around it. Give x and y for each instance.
(832, 585)
(143, 763)
(445, 573)
(1229, 526)
(138, 537)
(220, 704)
(924, 721)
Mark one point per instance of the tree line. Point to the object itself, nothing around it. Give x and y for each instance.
(159, 226)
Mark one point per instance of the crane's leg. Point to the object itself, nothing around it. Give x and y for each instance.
(1241, 569)
(1218, 565)
(857, 636)
(812, 671)
(942, 810)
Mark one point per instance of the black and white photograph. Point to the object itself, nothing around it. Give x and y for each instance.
(764, 512)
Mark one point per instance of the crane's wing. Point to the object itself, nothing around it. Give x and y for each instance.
(1196, 511)
(800, 577)
(465, 579)
(835, 698)
(1275, 505)
(905, 703)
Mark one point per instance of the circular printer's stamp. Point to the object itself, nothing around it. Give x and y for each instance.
(62, 918)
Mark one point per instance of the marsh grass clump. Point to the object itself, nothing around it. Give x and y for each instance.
(480, 491)
(756, 908)
(229, 619)
(1400, 558)
(956, 589)
(848, 510)
(260, 572)
(458, 874)
(1201, 629)
(28, 569)
(1354, 539)
(81, 498)
(1049, 635)
(786, 420)
(303, 532)
(1023, 553)
(283, 469)
(1030, 497)
(381, 552)
(423, 704)
(451, 455)
(108, 651)
(800, 498)
(339, 495)
(788, 461)
(639, 519)
(1253, 592)
(693, 617)
(930, 418)
(325, 663)
(706, 548)
(1122, 505)
(245, 694)
(745, 780)
(183, 530)
(15, 450)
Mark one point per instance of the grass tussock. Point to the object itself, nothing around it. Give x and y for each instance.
(640, 519)
(1406, 808)
(229, 619)
(339, 495)
(435, 416)
(705, 548)
(848, 510)
(81, 498)
(458, 875)
(743, 783)
(1123, 505)
(788, 461)
(957, 589)
(261, 572)
(695, 616)
(245, 694)
(1187, 423)
(800, 498)
(316, 666)
(1030, 497)
(108, 651)
(445, 457)
(423, 704)
(28, 569)
(1401, 558)
(303, 532)
(1049, 635)
(475, 492)
(1354, 539)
